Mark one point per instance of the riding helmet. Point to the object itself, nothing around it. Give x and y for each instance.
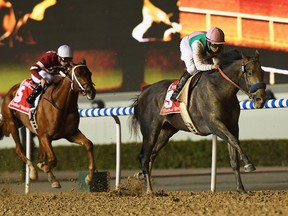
(65, 51)
(215, 36)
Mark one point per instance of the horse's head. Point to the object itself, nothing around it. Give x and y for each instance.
(81, 80)
(253, 77)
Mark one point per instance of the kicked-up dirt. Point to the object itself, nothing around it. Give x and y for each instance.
(131, 199)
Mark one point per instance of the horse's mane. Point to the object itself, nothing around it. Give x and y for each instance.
(229, 57)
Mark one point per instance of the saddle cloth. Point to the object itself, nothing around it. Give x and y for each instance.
(169, 106)
(19, 102)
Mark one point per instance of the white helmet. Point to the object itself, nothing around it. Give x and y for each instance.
(65, 52)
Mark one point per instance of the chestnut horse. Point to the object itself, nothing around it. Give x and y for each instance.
(212, 105)
(56, 116)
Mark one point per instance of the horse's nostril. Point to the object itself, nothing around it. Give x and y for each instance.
(258, 99)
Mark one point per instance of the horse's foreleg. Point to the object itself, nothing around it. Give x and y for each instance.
(47, 156)
(221, 131)
(51, 178)
(234, 162)
(49, 160)
(248, 167)
(79, 138)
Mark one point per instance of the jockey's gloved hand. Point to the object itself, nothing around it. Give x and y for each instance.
(215, 66)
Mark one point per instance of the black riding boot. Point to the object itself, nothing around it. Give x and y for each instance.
(180, 85)
(37, 90)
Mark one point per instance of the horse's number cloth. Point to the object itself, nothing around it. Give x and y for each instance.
(19, 102)
(169, 106)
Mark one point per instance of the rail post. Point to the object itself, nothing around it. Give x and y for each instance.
(244, 105)
(114, 112)
(28, 155)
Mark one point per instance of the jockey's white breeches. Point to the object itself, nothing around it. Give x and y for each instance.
(187, 55)
(47, 76)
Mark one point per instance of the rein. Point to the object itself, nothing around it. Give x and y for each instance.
(233, 83)
(251, 89)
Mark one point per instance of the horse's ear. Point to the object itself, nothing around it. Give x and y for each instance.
(243, 55)
(83, 61)
(257, 54)
(72, 64)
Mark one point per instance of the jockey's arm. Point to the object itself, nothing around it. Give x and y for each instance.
(43, 82)
(197, 49)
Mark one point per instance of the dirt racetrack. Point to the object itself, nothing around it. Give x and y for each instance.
(131, 199)
(177, 192)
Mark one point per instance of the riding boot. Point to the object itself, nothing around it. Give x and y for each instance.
(31, 99)
(180, 85)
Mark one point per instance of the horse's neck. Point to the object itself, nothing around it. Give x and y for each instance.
(62, 94)
(219, 85)
(234, 73)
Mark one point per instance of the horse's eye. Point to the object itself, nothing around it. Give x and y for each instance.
(77, 75)
(249, 73)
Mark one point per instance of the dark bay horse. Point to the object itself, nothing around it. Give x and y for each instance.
(57, 117)
(213, 106)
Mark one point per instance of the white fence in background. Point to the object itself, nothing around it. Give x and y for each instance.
(120, 111)
(239, 17)
(272, 72)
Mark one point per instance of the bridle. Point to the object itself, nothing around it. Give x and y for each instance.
(251, 88)
(74, 78)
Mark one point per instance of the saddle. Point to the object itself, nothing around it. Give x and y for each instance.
(20, 104)
(183, 98)
(181, 106)
(191, 83)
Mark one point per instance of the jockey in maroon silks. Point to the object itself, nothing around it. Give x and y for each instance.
(195, 48)
(48, 65)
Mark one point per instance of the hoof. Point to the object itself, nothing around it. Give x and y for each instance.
(249, 168)
(55, 184)
(33, 173)
(139, 176)
(43, 167)
(149, 192)
(87, 180)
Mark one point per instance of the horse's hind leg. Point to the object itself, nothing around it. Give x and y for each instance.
(149, 140)
(20, 152)
(144, 159)
(149, 152)
(165, 134)
(234, 162)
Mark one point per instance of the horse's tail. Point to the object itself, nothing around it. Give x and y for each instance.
(3, 128)
(134, 123)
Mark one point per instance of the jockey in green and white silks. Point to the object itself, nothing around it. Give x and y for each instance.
(195, 49)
